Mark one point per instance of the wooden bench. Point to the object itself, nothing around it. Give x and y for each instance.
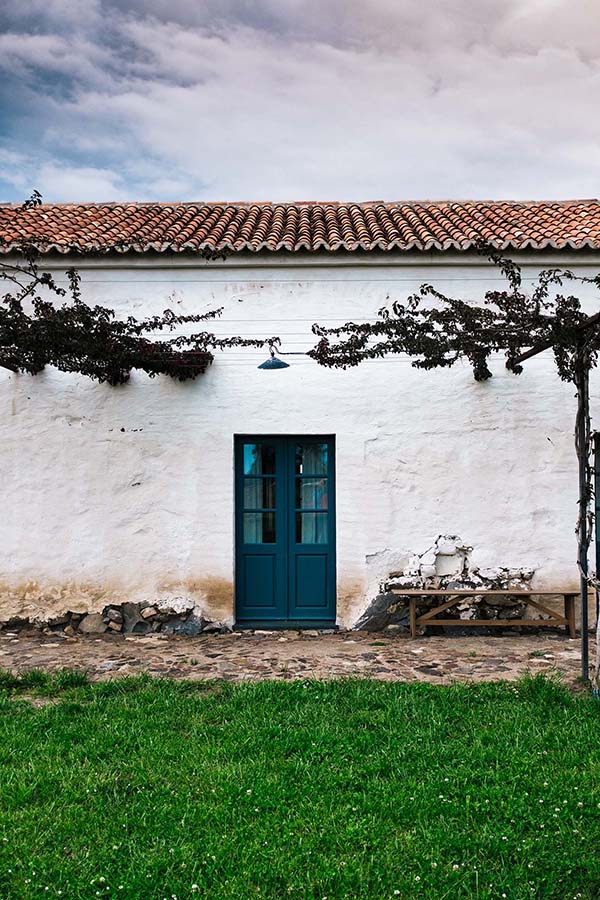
(431, 617)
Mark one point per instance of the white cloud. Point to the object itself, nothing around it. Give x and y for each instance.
(298, 100)
(84, 183)
(57, 183)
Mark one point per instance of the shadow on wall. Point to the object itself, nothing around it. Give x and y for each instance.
(446, 565)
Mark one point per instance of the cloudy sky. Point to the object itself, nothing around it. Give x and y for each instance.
(299, 99)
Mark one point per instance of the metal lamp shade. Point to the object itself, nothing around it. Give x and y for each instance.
(274, 363)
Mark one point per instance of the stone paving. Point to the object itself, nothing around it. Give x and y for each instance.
(294, 655)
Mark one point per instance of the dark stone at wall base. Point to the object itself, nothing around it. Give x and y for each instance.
(191, 626)
(16, 622)
(114, 615)
(384, 610)
(132, 617)
(93, 623)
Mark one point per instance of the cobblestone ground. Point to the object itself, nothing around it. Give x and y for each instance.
(293, 655)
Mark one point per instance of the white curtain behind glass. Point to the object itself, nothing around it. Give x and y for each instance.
(313, 495)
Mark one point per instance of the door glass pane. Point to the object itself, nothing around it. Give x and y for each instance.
(259, 528)
(259, 493)
(259, 459)
(311, 528)
(311, 493)
(311, 459)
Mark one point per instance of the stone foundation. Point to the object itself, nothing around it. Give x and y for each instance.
(125, 618)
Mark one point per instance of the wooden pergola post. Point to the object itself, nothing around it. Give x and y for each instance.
(582, 437)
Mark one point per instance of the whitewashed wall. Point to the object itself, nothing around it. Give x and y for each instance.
(113, 494)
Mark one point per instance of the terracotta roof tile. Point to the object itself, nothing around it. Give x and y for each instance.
(176, 227)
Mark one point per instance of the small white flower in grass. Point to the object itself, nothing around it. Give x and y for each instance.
(417, 877)
(195, 887)
(580, 804)
(455, 868)
(396, 893)
(434, 865)
(249, 791)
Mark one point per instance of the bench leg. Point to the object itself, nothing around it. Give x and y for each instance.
(412, 613)
(570, 614)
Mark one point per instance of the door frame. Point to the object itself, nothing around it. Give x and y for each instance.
(282, 624)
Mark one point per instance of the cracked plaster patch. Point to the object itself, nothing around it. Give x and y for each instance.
(446, 564)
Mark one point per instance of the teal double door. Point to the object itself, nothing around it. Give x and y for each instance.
(285, 531)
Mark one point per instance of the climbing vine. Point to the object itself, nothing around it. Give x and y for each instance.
(438, 330)
(44, 323)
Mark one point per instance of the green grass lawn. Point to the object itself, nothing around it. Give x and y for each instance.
(343, 789)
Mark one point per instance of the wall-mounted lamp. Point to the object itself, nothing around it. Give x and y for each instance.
(273, 362)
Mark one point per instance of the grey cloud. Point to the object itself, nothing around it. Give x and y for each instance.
(336, 100)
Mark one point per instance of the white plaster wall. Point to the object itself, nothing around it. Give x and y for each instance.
(126, 493)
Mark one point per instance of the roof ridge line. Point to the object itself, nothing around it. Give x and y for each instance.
(141, 204)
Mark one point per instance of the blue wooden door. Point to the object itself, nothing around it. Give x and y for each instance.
(285, 531)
